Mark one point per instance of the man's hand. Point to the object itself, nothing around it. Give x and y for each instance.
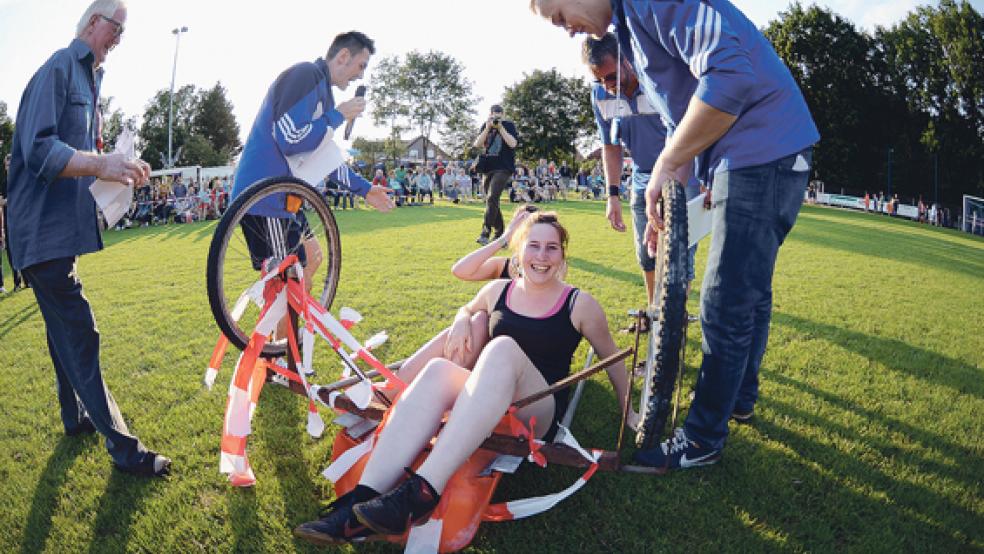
(351, 109)
(662, 173)
(377, 198)
(613, 211)
(116, 167)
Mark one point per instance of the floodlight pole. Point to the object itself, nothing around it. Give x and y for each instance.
(170, 112)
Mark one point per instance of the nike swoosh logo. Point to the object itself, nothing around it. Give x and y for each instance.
(708, 458)
(348, 531)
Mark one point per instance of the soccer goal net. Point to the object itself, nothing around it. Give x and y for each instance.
(973, 215)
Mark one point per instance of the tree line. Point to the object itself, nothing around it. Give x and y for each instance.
(900, 109)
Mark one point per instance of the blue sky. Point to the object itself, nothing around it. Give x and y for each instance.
(246, 44)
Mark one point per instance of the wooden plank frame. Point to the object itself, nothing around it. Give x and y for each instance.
(554, 453)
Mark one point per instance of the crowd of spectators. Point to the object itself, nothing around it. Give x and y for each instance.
(165, 200)
(543, 181)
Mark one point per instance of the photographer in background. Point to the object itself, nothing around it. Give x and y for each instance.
(497, 139)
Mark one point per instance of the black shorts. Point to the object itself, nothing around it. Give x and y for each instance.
(274, 237)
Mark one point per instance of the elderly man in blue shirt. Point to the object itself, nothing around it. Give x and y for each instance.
(55, 157)
(733, 110)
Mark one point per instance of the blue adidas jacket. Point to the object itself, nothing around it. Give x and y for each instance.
(680, 48)
(295, 115)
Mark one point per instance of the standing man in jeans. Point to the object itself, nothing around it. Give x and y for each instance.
(55, 157)
(732, 108)
(497, 139)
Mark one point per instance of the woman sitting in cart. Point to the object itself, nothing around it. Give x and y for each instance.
(536, 322)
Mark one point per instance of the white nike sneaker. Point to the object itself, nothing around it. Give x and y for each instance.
(677, 452)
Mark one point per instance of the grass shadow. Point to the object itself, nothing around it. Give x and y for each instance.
(845, 493)
(605, 271)
(122, 499)
(16, 319)
(48, 492)
(891, 244)
(883, 445)
(897, 355)
(244, 520)
(276, 424)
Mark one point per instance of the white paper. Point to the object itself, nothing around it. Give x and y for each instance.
(699, 219)
(114, 198)
(315, 165)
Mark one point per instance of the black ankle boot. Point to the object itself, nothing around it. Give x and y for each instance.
(394, 512)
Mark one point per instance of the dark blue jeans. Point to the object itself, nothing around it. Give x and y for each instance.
(754, 210)
(73, 342)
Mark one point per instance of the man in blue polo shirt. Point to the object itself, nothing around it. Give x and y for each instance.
(55, 157)
(626, 118)
(733, 110)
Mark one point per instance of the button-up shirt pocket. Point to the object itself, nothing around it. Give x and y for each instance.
(77, 120)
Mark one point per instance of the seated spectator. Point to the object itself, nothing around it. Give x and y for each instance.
(179, 188)
(464, 184)
(338, 193)
(447, 181)
(425, 185)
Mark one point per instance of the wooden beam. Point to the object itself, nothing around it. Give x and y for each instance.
(571, 379)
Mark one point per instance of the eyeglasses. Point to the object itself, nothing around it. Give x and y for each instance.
(610, 78)
(117, 24)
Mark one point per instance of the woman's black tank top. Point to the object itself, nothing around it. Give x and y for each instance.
(549, 342)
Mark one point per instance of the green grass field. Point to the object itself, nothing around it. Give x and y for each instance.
(869, 435)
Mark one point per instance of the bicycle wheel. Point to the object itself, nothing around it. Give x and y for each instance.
(242, 241)
(668, 317)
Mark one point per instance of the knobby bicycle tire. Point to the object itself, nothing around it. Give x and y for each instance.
(220, 300)
(668, 315)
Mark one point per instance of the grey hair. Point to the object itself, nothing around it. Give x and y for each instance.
(98, 7)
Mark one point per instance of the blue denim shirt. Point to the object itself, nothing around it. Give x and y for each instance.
(51, 217)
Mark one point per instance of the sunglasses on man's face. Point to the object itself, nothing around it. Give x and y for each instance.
(116, 24)
(611, 78)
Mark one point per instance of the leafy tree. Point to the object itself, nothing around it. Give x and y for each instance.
(205, 131)
(153, 131)
(829, 58)
(425, 92)
(552, 114)
(114, 121)
(215, 122)
(895, 105)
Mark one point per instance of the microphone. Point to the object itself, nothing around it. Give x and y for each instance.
(359, 93)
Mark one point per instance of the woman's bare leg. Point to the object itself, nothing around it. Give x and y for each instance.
(414, 421)
(502, 374)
